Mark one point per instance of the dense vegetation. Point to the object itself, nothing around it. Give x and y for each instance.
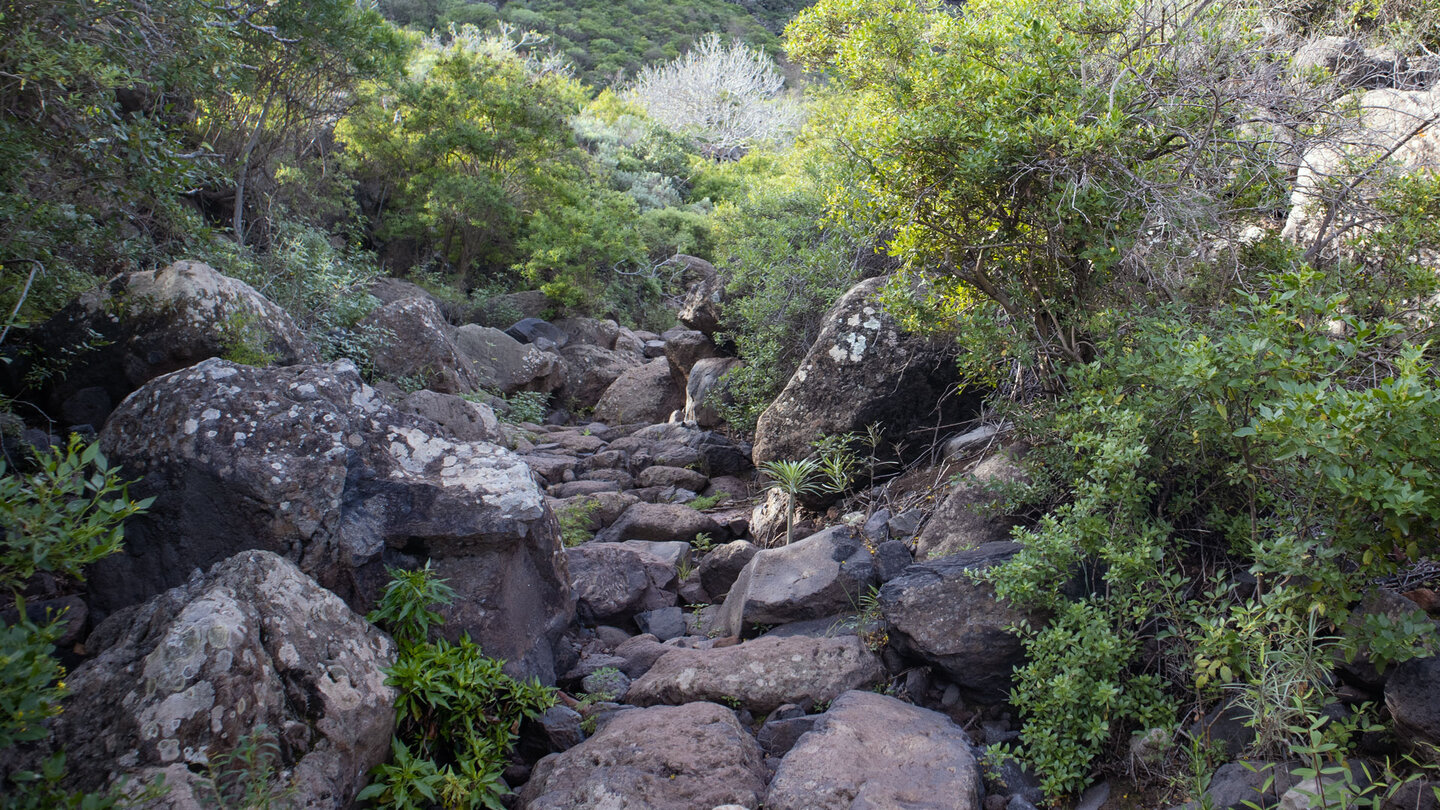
(1231, 431)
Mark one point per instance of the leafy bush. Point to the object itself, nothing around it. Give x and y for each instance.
(459, 713)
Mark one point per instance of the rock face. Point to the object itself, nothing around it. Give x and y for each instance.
(183, 677)
(701, 309)
(310, 463)
(145, 324)
(641, 394)
(661, 522)
(612, 582)
(822, 575)
(590, 370)
(861, 370)
(939, 615)
(1412, 694)
(870, 750)
(761, 674)
(961, 523)
(421, 346)
(692, 757)
(703, 383)
(504, 364)
(455, 418)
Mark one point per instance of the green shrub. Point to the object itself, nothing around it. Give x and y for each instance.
(459, 713)
(576, 520)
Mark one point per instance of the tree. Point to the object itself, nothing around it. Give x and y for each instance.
(1046, 154)
(727, 97)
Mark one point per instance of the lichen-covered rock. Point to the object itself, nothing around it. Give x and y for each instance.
(941, 615)
(761, 674)
(641, 394)
(966, 519)
(455, 418)
(870, 750)
(420, 346)
(822, 575)
(862, 370)
(147, 323)
(311, 463)
(186, 676)
(693, 757)
(504, 364)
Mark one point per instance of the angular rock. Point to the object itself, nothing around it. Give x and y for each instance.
(870, 750)
(673, 552)
(862, 370)
(590, 331)
(662, 476)
(147, 323)
(778, 736)
(677, 445)
(701, 310)
(611, 683)
(545, 335)
(613, 583)
(309, 462)
(965, 520)
(693, 757)
(703, 391)
(761, 674)
(420, 345)
(720, 568)
(504, 364)
(590, 370)
(640, 653)
(664, 624)
(643, 394)
(686, 347)
(454, 417)
(822, 575)
(1412, 694)
(892, 557)
(974, 440)
(939, 614)
(572, 489)
(184, 677)
(660, 522)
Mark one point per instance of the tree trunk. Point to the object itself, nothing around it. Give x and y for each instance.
(238, 221)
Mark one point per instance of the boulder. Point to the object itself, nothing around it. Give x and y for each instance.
(678, 445)
(870, 750)
(590, 370)
(141, 325)
(693, 757)
(965, 520)
(661, 521)
(453, 417)
(544, 335)
(822, 575)
(663, 476)
(722, 566)
(186, 676)
(311, 463)
(685, 348)
(1238, 785)
(590, 331)
(703, 391)
(613, 582)
(1412, 694)
(504, 364)
(761, 674)
(641, 394)
(701, 309)
(940, 615)
(863, 370)
(420, 346)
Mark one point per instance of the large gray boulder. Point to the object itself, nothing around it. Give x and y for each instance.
(661, 522)
(701, 308)
(186, 676)
(614, 581)
(863, 370)
(703, 391)
(686, 347)
(692, 757)
(966, 518)
(760, 675)
(678, 445)
(589, 371)
(454, 417)
(643, 394)
(822, 575)
(506, 365)
(311, 463)
(870, 750)
(141, 325)
(722, 566)
(938, 613)
(1412, 694)
(420, 346)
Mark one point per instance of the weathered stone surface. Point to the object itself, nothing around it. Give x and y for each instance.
(545, 335)
(662, 476)
(454, 417)
(693, 757)
(590, 370)
(310, 463)
(760, 674)
(1236, 783)
(421, 346)
(870, 750)
(147, 323)
(862, 370)
(661, 522)
(1412, 694)
(892, 557)
(701, 310)
(664, 623)
(678, 445)
(822, 575)
(182, 678)
(700, 405)
(672, 552)
(965, 520)
(686, 347)
(602, 333)
(644, 393)
(571, 489)
(940, 615)
(974, 441)
(720, 568)
(640, 653)
(504, 364)
(613, 583)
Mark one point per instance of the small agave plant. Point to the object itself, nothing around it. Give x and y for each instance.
(794, 478)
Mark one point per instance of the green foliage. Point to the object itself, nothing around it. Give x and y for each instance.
(32, 679)
(244, 343)
(576, 522)
(526, 407)
(794, 478)
(704, 502)
(459, 713)
(244, 777)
